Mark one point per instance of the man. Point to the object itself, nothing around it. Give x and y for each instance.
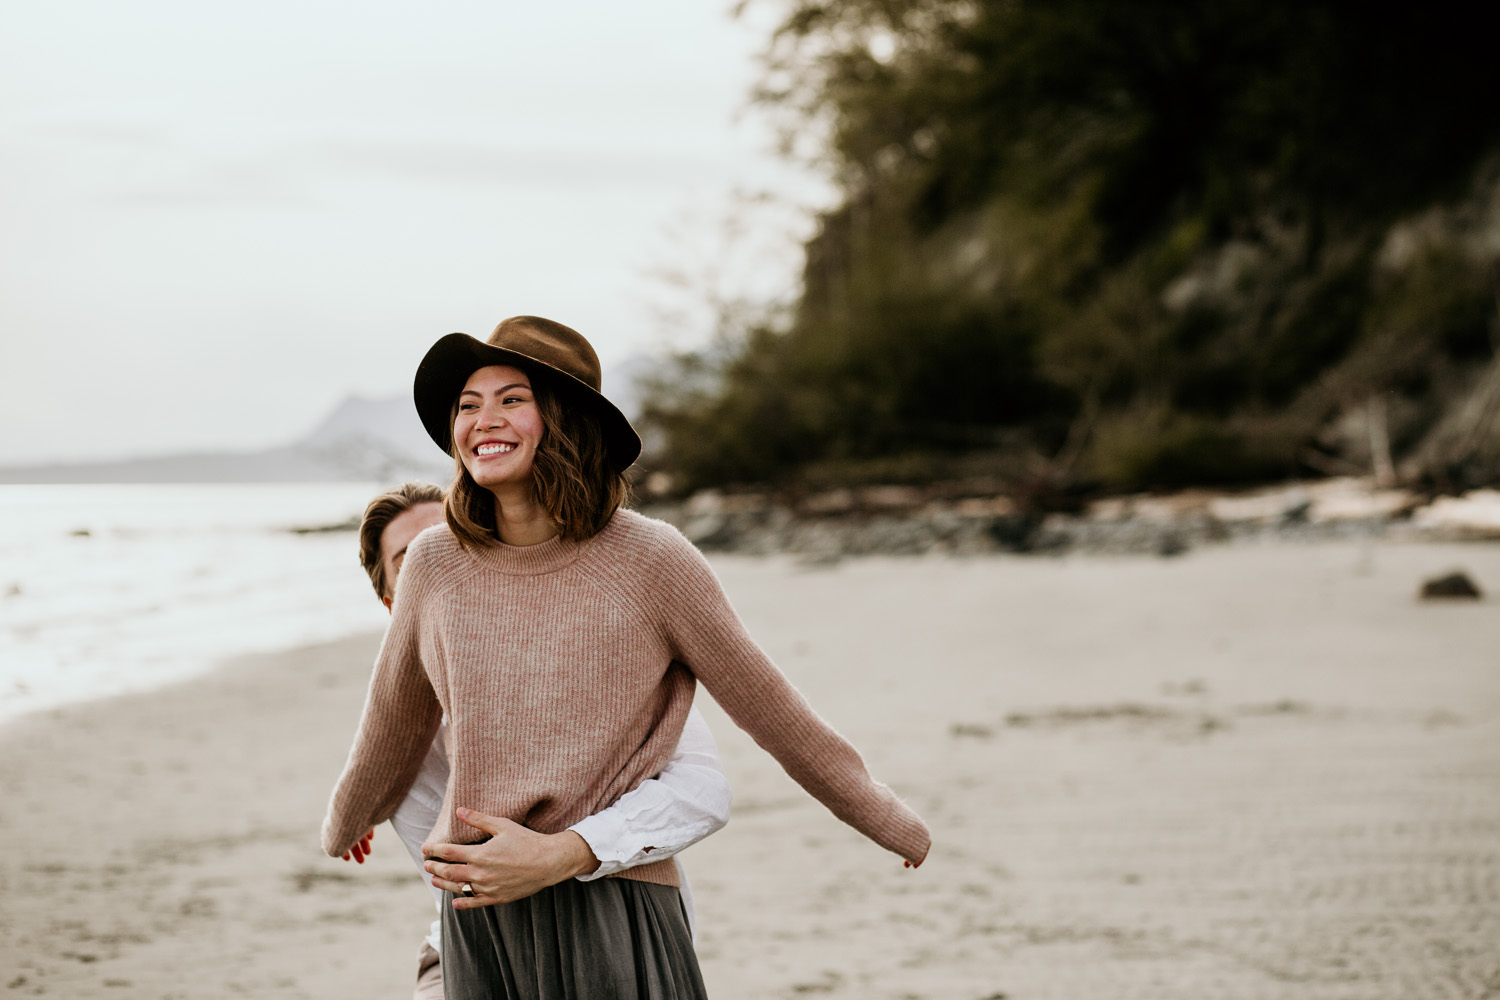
(679, 807)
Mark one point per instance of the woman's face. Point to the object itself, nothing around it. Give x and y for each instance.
(498, 427)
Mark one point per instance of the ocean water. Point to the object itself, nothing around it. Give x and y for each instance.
(107, 589)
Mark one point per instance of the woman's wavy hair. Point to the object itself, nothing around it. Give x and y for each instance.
(571, 473)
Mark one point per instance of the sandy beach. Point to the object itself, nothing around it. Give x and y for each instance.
(1252, 771)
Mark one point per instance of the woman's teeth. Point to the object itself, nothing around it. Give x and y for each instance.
(494, 449)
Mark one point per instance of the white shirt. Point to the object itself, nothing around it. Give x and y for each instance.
(652, 822)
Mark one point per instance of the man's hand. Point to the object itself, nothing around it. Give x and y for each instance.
(513, 864)
(361, 850)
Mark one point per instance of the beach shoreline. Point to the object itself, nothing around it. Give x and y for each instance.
(1245, 771)
(165, 843)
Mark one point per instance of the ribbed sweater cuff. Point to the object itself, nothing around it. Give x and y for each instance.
(907, 836)
(899, 829)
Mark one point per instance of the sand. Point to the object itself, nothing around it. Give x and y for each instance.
(1243, 772)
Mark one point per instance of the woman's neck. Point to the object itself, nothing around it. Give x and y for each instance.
(519, 519)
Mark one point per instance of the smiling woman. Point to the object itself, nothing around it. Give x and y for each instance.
(562, 636)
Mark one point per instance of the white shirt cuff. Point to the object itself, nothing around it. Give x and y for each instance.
(603, 832)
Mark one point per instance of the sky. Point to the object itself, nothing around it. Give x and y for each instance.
(219, 220)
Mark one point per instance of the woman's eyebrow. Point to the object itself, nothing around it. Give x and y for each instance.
(503, 388)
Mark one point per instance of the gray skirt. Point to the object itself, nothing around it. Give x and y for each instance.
(609, 939)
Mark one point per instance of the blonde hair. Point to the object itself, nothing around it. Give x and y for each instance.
(379, 513)
(572, 477)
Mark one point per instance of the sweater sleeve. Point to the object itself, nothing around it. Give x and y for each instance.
(401, 717)
(707, 635)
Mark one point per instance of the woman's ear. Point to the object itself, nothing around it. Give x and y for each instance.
(387, 601)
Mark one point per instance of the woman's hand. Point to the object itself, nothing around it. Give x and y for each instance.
(513, 864)
(361, 850)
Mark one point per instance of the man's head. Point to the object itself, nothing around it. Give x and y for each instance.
(391, 521)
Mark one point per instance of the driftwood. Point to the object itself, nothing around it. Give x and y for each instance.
(1463, 449)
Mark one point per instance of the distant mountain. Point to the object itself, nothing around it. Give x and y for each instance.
(362, 440)
(365, 440)
(393, 422)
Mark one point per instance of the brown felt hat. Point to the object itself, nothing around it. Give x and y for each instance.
(531, 344)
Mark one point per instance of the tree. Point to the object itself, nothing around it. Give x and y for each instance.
(1140, 242)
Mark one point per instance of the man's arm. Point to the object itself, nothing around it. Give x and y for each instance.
(658, 818)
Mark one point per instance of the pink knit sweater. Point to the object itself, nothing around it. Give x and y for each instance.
(566, 671)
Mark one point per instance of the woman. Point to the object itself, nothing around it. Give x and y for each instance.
(661, 816)
(563, 635)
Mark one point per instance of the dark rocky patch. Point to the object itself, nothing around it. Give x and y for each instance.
(1453, 586)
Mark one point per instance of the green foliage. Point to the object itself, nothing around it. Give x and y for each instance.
(1141, 240)
(1159, 448)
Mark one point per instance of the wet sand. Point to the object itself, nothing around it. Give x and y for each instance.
(1243, 772)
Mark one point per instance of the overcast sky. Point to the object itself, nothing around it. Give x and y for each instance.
(218, 220)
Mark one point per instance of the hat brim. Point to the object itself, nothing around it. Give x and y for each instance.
(449, 363)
